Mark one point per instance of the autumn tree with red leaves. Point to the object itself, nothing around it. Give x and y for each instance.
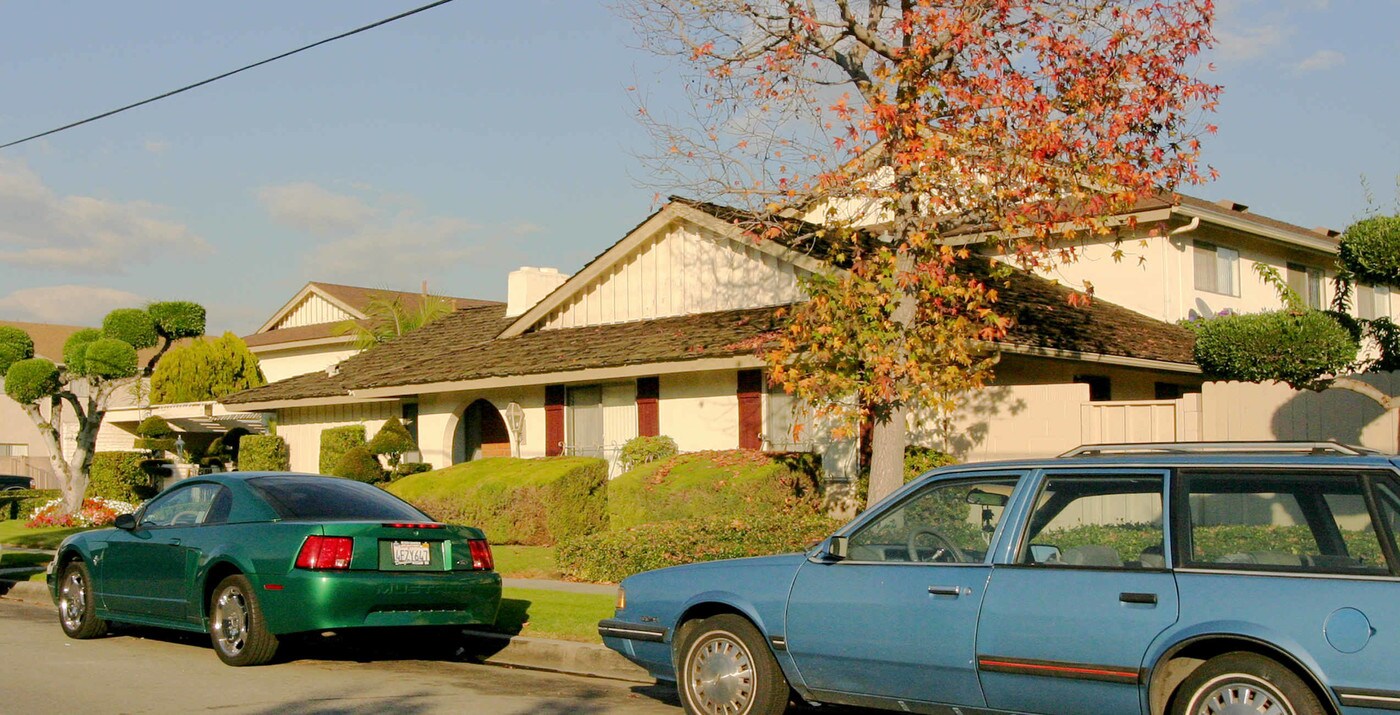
(901, 135)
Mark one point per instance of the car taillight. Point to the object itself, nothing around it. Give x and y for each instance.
(397, 525)
(324, 553)
(481, 555)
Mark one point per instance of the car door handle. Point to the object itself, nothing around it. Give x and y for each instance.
(1147, 598)
(953, 591)
(173, 542)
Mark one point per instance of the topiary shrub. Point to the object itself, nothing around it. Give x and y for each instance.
(75, 349)
(109, 359)
(359, 464)
(335, 442)
(1370, 249)
(123, 476)
(15, 345)
(177, 319)
(515, 501)
(31, 380)
(699, 484)
(264, 453)
(615, 555)
(409, 468)
(154, 435)
(640, 450)
(392, 440)
(1297, 348)
(132, 326)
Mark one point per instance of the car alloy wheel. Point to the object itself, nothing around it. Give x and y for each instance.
(231, 621)
(719, 674)
(76, 607)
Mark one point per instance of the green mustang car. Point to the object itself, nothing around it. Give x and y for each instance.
(251, 556)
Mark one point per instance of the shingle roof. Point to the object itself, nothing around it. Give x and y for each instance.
(49, 339)
(357, 297)
(461, 347)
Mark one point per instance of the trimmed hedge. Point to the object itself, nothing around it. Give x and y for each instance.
(264, 453)
(640, 450)
(516, 501)
(360, 465)
(20, 504)
(736, 483)
(1295, 348)
(335, 442)
(1370, 249)
(124, 476)
(615, 555)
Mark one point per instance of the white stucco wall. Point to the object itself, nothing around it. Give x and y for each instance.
(301, 427)
(282, 364)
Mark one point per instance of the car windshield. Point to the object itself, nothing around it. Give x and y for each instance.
(331, 498)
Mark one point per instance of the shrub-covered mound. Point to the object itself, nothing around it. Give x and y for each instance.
(736, 483)
(515, 501)
(613, 556)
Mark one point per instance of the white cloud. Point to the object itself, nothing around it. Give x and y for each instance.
(1249, 43)
(41, 229)
(376, 237)
(1321, 60)
(156, 146)
(66, 304)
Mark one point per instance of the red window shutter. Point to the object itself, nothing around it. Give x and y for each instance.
(553, 420)
(750, 409)
(648, 412)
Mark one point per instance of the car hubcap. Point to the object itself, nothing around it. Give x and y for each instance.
(231, 621)
(720, 675)
(1240, 697)
(73, 601)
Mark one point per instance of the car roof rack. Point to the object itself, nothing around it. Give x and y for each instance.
(1317, 448)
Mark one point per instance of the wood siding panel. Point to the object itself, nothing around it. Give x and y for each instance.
(554, 420)
(750, 392)
(683, 271)
(314, 310)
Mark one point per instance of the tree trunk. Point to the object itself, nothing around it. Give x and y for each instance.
(887, 441)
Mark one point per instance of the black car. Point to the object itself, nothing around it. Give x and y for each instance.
(11, 483)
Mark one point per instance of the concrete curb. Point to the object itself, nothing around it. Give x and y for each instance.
(493, 649)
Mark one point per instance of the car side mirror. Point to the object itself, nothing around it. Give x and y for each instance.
(1045, 554)
(125, 522)
(836, 547)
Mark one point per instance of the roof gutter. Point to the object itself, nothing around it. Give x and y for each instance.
(1234, 221)
(1118, 360)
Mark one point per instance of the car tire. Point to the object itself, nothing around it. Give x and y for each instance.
(1245, 679)
(725, 668)
(236, 625)
(77, 607)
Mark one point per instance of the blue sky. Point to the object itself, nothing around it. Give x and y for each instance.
(477, 137)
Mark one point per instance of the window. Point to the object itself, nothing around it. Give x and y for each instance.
(14, 450)
(1306, 281)
(1292, 522)
(1167, 391)
(184, 507)
(409, 415)
(1100, 388)
(331, 498)
(1097, 521)
(1217, 268)
(1372, 302)
(947, 522)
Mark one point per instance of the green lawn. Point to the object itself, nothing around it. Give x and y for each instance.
(14, 533)
(525, 561)
(553, 614)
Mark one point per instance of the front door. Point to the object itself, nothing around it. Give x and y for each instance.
(1066, 625)
(896, 620)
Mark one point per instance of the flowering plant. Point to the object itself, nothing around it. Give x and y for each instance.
(96, 511)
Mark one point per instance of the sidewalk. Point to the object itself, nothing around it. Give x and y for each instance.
(590, 659)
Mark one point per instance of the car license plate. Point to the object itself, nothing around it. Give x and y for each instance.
(410, 553)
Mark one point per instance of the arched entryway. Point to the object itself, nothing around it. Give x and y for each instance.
(480, 433)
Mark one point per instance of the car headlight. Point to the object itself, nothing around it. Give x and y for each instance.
(621, 598)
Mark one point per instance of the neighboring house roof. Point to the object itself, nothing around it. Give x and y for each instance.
(461, 347)
(351, 299)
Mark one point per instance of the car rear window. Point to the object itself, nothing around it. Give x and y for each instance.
(331, 498)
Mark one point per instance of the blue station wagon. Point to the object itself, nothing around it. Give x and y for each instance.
(1183, 578)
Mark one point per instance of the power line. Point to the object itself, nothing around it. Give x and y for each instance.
(188, 87)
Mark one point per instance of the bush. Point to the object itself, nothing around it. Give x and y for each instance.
(123, 476)
(20, 504)
(154, 435)
(736, 483)
(132, 326)
(32, 379)
(75, 349)
(335, 442)
(1295, 348)
(1370, 249)
(410, 468)
(516, 501)
(392, 440)
(615, 555)
(15, 345)
(264, 453)
(109, 359)
(640, 450)
(177, 319)
(360, 465)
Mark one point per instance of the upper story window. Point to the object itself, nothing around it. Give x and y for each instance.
(1373, 302)
(1306, 281)
(1217, 268)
